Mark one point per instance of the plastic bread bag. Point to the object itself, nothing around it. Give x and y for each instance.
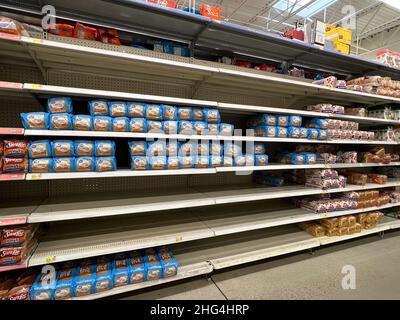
(104, 274)
(322, 134)
(203, 162)
(136, 109)
(318, 124)
(172, 148)
(117, 109)
(105, 164)
(334, 232)
(188, 148)
(139, 163)
(168, 262)
(41, 165)
(83, 148)
(211, 115)
(352, 229)
(59, 105)
(120, 124)
(200, 127)
(185, 113)
(268, 120)
(312, 134)
(137, 148)
(170, 127)
(154, 112)
(62, 148)
(338, 109)
(156, 148)
(343, 231)
(295, 121)
(297, 158)
(327, 82)
(203, 149)
(157, 163)
(154, 269)
(226, 129)
(82, 122)
(120, 270)
(84, 278)
(64, 288)
(170, 112)
(63, 165)
(261, 160)
(239, 161)
(155, 126)
(43, 287)
(35, 120)
(259, 148)
(185, 127)
(282, 121)
(227, 161)
(198, 114)
(137, 268)
(102, 123)
(303, 133)
(11, 26)
(98, 108)
(357, 178)
(265, 131)
(84, 164)
(249, 160)
(215, 161)
(83, 32)
(38, 149)
(310, 158)
(213, 128)
(352, 220)
(138, 125)
(104, 148)
(281, 132)
(60, 121)
(377, 178)
(173, 163)
(293, 132)
(343, 222)
(216, 149)
(358, 228)
(14, 165)
(330, 223)
(232, 149)
(187, 162)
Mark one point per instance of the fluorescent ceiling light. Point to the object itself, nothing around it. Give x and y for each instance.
(288, 5)
(393, 3)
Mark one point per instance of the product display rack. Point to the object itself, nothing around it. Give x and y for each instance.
(212, 218)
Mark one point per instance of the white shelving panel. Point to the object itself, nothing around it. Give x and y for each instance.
(15, 214)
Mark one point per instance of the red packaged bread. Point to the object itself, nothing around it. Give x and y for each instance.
(83, 32)
(11, 165)
(14, 148)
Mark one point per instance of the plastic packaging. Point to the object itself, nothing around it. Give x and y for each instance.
(35, 120)
(60, 121)
(226, 129)
(281, 132)
(157, 163)
(41, 165)
(104, 148)
(85, 164)
(156, 148)
(39, 149)
(120, 270)
(170, 112)
(198, 114)
(120, 124)
(211, 115)
(154, 112)
(136, 109)
(170, 127)
(213, 128)
(172, 149)
(83, 148)
(64, 165)
(138, 125)
(43, 288)
(261, 160)
(215, 161)
(137, 268)
(139, 163)
(105, 164)
(188, 149)
(102, 123)
(14, 148)
(282, 121)
(59, 105)
(82, 122)
(117, 109)
(232, 149)
(293, 132)
(187, 162)
(13, 165)
(185, 127)
(295, 121)
(185, 113)
(203, 162)
(137, 148)
(98, 108)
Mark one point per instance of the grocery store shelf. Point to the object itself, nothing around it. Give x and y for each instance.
(15, 214)
(12, 176)
(21, 265)
(12, 131)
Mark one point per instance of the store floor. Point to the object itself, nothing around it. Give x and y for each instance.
(301, 276)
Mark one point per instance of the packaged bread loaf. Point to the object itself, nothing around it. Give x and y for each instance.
(84, 278)
(137, 270)
(102, 123)
(39, 149)
(213, 128)
(136, 109)
(168, 262)
(103, 164)
(137, 148)
(120, 270)
(157, 163)
(82, 122)
(85, 164)
(139, 163)
(59, 105)
(104, 274)
(170, 127)
(120, 124)
(138, 125)
(185, 127)
(154, 112)
(41, 165)
(104, 148)
(35, 120)
(211, 115)
(154, 126)
(98, 108)
(64, 164)
(198, 114)
(83, 148)
(62, 148)
(117, 109)
(173, 163)
(64, 287)
(202, 162)
(60, 121)
(170, 112)
(43, 287)
(185, 113)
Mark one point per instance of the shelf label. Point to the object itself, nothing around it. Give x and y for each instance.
(36, 86)
(36, 41)
(9, 36)
(11, 85)
(12, 221)
(51, 259)
(179, 238)
(36, 176)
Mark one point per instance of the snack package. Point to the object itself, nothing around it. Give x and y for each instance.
(62, 29)
(14, 165)
(137, 148)
(105, 164)
(120, 270)
(170, 127)
(154, 270)
(198, 114)
(84, 164)
(60, 121)
(98, 108)
(357, 178)
(41, 165)
(200, 127)
(138, 125)
(104, 274)
(83, 32)
(202, 162)
(211, 115)
(84, 278)
(173, 163)
(14, 148)
(120, 124)
(185, 113)
(139, 163)
(117, 109)
(16, 236)
(63, 165)
(59, 105)
(157, 163)
(156, 148)
(282, 121)
(62, 148)
(103, 148)
(64, 288)
(137, 268)
(154, 112)
(215, 161)
(102, 123)
(83, 148)
(226, 129)
(187, 162)
(82, 122)
(185, 127)
(232, 149)
(35, 120)
(261, 160)
(281, 132)
(295, 121)
(216, 148)
(136, 109)
(170, 112)
(168, 262)
(43, 287)
(213, 128)
(377, 178)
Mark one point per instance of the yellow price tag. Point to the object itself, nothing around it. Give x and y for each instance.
(36, 176)
(179, 238)
(51, 259)
(36, 86)
(37, 41)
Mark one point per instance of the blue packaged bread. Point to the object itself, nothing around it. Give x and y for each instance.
(303, 133)
(156, 148)
(173, 163)
(261, 160)
(170, 127)
(281, 132)
(138, 125)
(211, 115)
(105, 164)
(59, 105)
(104, 274)
(310, 158)
(139, 163)
(216, 149)
(239, 161)
(317, 123)
(35, 120)
(265, 131)
(202, 162)
(282, 121)
(154, 270)
(62, 148)
(322, 134)
(120, 124)
(121, 270)
(154, 112)
(60, 121)
(200, 127)
(117, 109)
(312, 134)
(155, 126)
(172, 148)
(203, 148)
(64, 165)
(213, 128)
(293, 132)
(137, 268)
(188, 162)
(64, 287)
(232, 149)
(102, 123)
(215, 161)
(226, 129)
(295, 121)
(259, 148)
(82, 122)
(157, 163)
(41, 165)
(104, 148)
(39, 149)
(84, 278)
(83, 148)
(98, 108)
(84, 164)
(43, 287)
(137, 148)
(136, 109)
(185, 127)
(170, 112)
(227, 161)
(185, 113)
(168, 262)
(188, 149)
(198, 114)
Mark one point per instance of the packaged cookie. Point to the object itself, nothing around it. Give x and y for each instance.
(261, 160)
(105, 164)
(42, 165)
(156, 148)
(62, 148)
(203, 149)
(211, 115)
(155, 126)
(185, 127)
(139, 163)
(170, 127)
(82, 122)
(120, 124)
(59, 105)
(213, 128)
(14, 165)
(84, 278)
(35, 120)
(232, 149)
(282, 121)
(170, 112)
(168, 262)
(63, 165)
(83, 148)
(98, 108)
(153, 266)
(198, 114)
(202, 162)
(102, 123)
(215, 161)
(117, 109)
(137, 268)
(173, 163)
(154, 112)
(188, 149)
(312, 134)
(187, 162)
(104, 274)
(60, 121)
(157, 163)
(43, 287)
(295, 121)
(185, 113)
(136, 109)
(259, 148)
(14, 148)
(293, 132)
(137, 148)
(200, 127)
(120, 270)
(226, 129)
(172, 149)
(84, 164)
(281, 132)
(216, 148)
(138, 125)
